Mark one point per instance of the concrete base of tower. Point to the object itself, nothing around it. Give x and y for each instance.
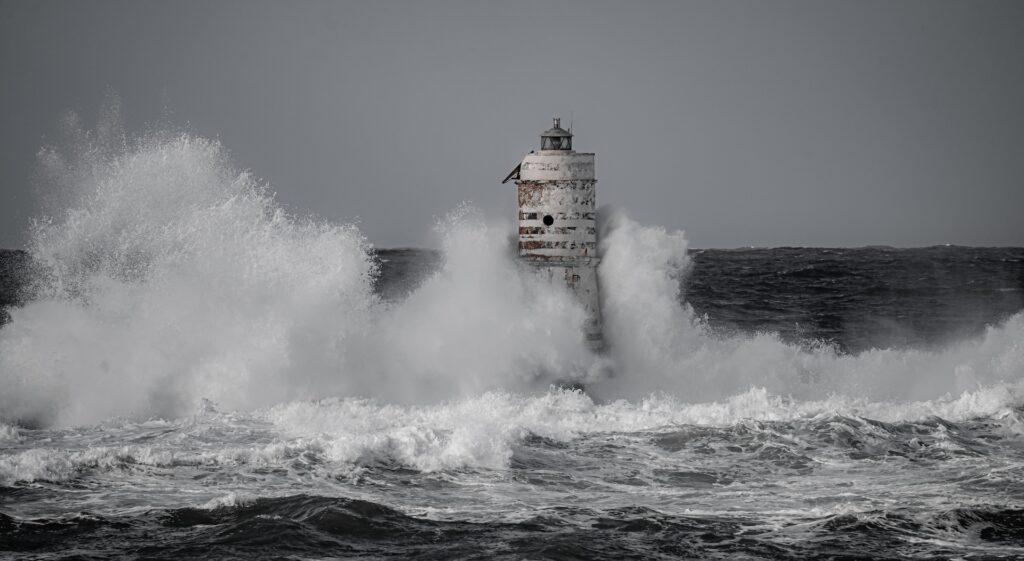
(580, 277)
(595, 341)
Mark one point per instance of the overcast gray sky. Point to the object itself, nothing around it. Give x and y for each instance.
(841, 123)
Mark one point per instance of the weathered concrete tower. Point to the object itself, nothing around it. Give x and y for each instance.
(557, 227)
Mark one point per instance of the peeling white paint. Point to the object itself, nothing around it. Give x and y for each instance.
(557, 228)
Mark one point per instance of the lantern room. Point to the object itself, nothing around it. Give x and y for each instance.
(556, 138)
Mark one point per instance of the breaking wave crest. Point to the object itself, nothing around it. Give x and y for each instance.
(335, 438)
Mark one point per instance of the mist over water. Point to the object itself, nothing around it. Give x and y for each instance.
(171, 277)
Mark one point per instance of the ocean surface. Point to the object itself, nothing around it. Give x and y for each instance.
(188, 371)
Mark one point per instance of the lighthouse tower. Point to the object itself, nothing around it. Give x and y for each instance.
(557, 228)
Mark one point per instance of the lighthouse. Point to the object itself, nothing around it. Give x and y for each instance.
(557, 226)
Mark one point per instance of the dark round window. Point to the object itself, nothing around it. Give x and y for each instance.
(549, 220)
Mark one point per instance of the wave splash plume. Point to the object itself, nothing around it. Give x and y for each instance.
(171, 277)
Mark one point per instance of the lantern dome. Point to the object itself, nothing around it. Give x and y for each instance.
(556, 138)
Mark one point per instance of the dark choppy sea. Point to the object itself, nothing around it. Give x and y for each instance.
(874, 410)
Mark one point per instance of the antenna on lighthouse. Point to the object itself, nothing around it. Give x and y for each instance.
(570, 122)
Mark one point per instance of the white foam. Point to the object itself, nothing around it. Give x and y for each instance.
(482, 432)
(231, 499)
(61, 464)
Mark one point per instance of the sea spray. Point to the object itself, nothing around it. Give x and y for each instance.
(176, 277)
(647, 326)
(172, 277)
(481, 322)
(660, 345)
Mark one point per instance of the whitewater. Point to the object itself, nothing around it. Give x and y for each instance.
(198, 373)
